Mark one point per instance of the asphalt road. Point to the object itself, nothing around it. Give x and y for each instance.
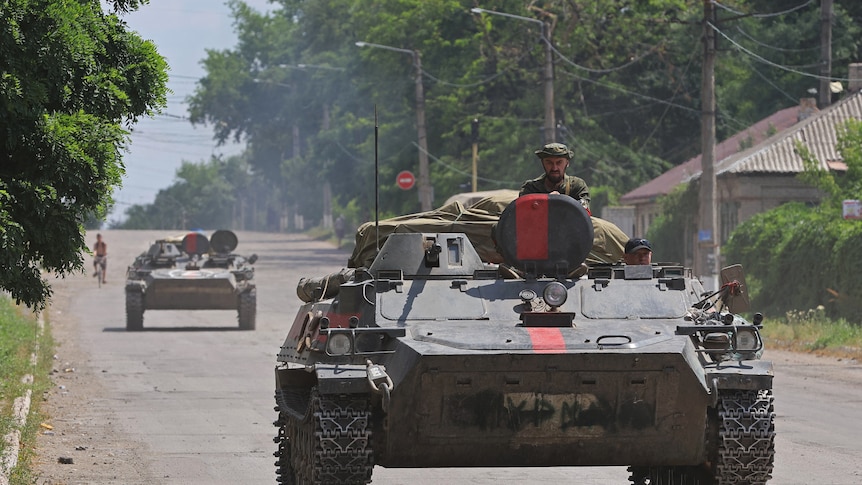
(190, 398)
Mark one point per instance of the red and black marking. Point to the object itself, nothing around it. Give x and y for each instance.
(195, 243)
(545, 234)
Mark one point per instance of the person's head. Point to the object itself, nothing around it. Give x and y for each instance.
(638, 251)
(555, 159)
(98, 237)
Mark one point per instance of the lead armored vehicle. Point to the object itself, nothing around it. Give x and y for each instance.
(192, 273)
(432, 358)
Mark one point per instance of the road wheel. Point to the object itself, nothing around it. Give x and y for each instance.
(247, 311)
(134, 311)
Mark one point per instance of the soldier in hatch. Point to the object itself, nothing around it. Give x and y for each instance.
(555, 159)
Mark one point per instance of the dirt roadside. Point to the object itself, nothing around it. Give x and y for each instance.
(84, 445)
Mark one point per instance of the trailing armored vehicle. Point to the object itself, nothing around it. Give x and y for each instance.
(431, 357)
(192, 273)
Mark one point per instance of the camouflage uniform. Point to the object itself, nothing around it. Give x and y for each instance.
(572, 186)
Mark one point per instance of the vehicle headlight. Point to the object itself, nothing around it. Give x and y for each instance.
(338, 344)
(555, 294)
(716, 341)
(746, 339)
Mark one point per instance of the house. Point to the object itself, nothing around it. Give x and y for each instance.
(757, 175)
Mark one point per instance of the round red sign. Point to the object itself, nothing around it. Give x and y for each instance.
(405, 180)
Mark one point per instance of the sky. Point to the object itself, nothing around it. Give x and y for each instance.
(182, 30)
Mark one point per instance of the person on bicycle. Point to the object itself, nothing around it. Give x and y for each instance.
(101, 251)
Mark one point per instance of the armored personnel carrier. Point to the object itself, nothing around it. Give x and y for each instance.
(432, 358)
(192, 273)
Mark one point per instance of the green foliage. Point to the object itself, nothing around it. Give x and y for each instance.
(799, 257)
(668, 231)
(812, 330)
(849, 184)
(626, 89)
(70, 75)
(314, 123)
(780, 58)
(205, 196)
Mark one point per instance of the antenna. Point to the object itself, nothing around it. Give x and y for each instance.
(376, 186)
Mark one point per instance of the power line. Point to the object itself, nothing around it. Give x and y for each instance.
(629, 92)
(770, 63)
(508, 183)
(601, 71)
(780, 49)
(764, 15)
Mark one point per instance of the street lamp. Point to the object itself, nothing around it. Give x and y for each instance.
(550, 122)
(424, 176)
(267, 81)
(316, 66)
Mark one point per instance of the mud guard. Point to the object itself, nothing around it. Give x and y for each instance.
(329, 378)
(749, 375)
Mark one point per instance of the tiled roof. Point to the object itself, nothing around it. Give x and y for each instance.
(773, 155)
(665, 182)
(818, 133)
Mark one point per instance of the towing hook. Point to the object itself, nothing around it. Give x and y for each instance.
(384, 402)
(379, 381)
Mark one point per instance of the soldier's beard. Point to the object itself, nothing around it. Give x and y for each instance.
(555, 177)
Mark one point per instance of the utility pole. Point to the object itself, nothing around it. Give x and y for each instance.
(708, 239)
(474, 131)
(825, 93)
(550, 122)
(425, 194)
(550, 126)
(424, 175)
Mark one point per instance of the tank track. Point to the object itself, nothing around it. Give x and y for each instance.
(329, 444)
(746, 441)
(745, 446)
(134, 310)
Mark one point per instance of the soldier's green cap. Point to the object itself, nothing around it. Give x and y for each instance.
(554, 150)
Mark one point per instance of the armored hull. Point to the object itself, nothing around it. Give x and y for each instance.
(192, 274)
(432, 358)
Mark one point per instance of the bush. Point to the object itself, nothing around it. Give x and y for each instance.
(790, 262)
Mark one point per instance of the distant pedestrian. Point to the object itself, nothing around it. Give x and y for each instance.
(100, 250)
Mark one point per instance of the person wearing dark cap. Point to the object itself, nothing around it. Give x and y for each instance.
(555, 159)
(638, 251)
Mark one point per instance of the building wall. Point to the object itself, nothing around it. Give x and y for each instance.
(623, 216)
(740, 196)
(758, 193)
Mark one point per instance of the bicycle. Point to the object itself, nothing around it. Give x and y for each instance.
(100, 263)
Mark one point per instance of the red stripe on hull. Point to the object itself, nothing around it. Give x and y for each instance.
(547, 340)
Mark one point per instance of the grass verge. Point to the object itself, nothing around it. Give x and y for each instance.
(811, 331)
(19, 338)
(319, 233)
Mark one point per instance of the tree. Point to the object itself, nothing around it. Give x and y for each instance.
(813, 245)
(204, 196)
(72, 77)
(847, 186)
(627, 88)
